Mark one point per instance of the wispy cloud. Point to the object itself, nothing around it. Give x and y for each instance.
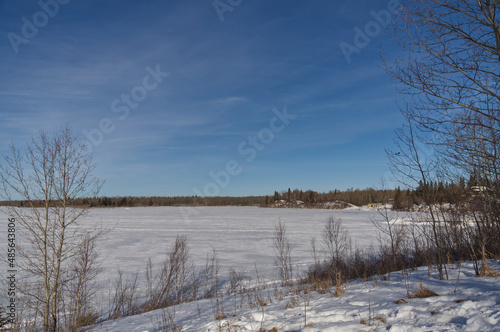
(230, 100)
(225, 79)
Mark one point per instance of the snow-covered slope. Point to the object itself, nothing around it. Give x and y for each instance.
(464, 303)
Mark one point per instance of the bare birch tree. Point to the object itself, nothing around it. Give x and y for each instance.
(46, 176)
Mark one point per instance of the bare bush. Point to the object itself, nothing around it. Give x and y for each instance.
(82, 287)
(283, 260)
(211, 275)
(235, 281)
(167, 321)
(392, 237)
(172, 274)
(125, 297)
(337, 242)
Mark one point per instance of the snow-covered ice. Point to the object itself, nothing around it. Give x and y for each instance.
(242, 236)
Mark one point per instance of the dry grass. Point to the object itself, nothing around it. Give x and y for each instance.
(339, 285)
(220, 315)
(294, 302)
(487, 271)
(262, 302)
(274, 329)
(372, 321)
(422, 292)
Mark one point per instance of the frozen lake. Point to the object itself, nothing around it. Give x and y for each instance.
(242, 236)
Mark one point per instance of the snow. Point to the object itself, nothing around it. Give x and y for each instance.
(471, 304)
(242, 237)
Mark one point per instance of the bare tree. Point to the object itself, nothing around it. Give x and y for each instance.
(314, 252)
(47, 175)
(337, 241)
(450, 71)
(450, 65)
(283, 259)
(395, 234)
(415, 171)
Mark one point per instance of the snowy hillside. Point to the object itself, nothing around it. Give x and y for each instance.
(463, 303)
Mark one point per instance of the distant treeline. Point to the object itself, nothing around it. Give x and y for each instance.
(402, 199)
(133, 201)
(356, 197)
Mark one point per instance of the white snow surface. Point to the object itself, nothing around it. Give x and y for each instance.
(242, 236)
(464, 303)
(243, 239)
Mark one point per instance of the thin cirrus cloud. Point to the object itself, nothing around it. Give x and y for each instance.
(230, 100)
(225, 78)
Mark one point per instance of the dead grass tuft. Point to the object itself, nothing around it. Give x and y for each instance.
(221, 315)
(371, 322)
(422, 292)
(487, 271)
(339, 285)
(294, 302)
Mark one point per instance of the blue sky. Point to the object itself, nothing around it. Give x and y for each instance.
(172, 92)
